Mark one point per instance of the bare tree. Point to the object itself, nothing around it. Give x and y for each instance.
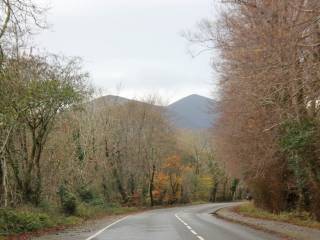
(269, 92)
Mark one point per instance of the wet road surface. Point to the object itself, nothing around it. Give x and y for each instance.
(180, 223)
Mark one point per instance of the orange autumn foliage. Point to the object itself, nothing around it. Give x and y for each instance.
(168, 180)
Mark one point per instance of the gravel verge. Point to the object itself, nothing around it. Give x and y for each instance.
(286, 230)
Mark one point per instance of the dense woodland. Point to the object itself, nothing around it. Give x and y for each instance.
(268, 132)
(61, 147)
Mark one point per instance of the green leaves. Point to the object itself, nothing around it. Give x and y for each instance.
(297, 142)
(68, 200)
(79, 150)
(297, 136)
(35, 90)
(13, 221)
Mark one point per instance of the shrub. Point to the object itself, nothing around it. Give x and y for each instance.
(87, 211)
(14, 221)
(68, 200)
(86, 194)
(97, 201)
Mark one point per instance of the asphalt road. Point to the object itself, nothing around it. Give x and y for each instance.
(183, 223)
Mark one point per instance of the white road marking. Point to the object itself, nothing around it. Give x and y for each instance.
(190, 228)
(194, 232)
(104, 229)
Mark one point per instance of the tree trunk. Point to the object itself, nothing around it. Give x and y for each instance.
(151, 185)
(4, 167)
(120, 187)
(4, 181)
(315, 189)
(38, 185)
(132, 184)
(213, 195)
(224, 193)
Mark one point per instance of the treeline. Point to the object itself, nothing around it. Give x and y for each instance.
(128, 152)
(269, 128)
(58, 147)
(104, 151)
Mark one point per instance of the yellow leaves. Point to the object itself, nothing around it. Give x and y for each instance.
(173, 161)
(206, 181)
(161, 180)
(187, 170)
(176, 179)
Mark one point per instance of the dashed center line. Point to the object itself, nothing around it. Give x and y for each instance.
(190, 228)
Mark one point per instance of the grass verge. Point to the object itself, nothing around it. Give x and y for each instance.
(301, 219)
(25, 220)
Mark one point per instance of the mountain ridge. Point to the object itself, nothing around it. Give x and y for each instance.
(193, 112)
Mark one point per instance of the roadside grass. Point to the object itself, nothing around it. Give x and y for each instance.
(28, 219)
(14, 222)
(47, 217)
(198, 202)
(87, 211)
(301, 219)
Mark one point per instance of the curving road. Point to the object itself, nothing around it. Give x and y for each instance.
(181, 223)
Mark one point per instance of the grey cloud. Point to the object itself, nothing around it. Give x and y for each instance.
(133, 42)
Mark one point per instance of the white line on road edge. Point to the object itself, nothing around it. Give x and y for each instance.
(102, 230)
(194, 232)
(190, 228)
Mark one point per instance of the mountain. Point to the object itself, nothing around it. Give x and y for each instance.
(193, 112)
(111, 99)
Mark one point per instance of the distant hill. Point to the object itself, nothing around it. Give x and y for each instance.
(192, 112)
(111, 99)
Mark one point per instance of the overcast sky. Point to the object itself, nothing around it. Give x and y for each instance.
(133, 44)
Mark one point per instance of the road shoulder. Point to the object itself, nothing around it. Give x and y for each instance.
(88, 228)
(282, 229)
(82, 231)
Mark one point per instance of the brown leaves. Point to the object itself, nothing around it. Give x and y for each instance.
(269, 75)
